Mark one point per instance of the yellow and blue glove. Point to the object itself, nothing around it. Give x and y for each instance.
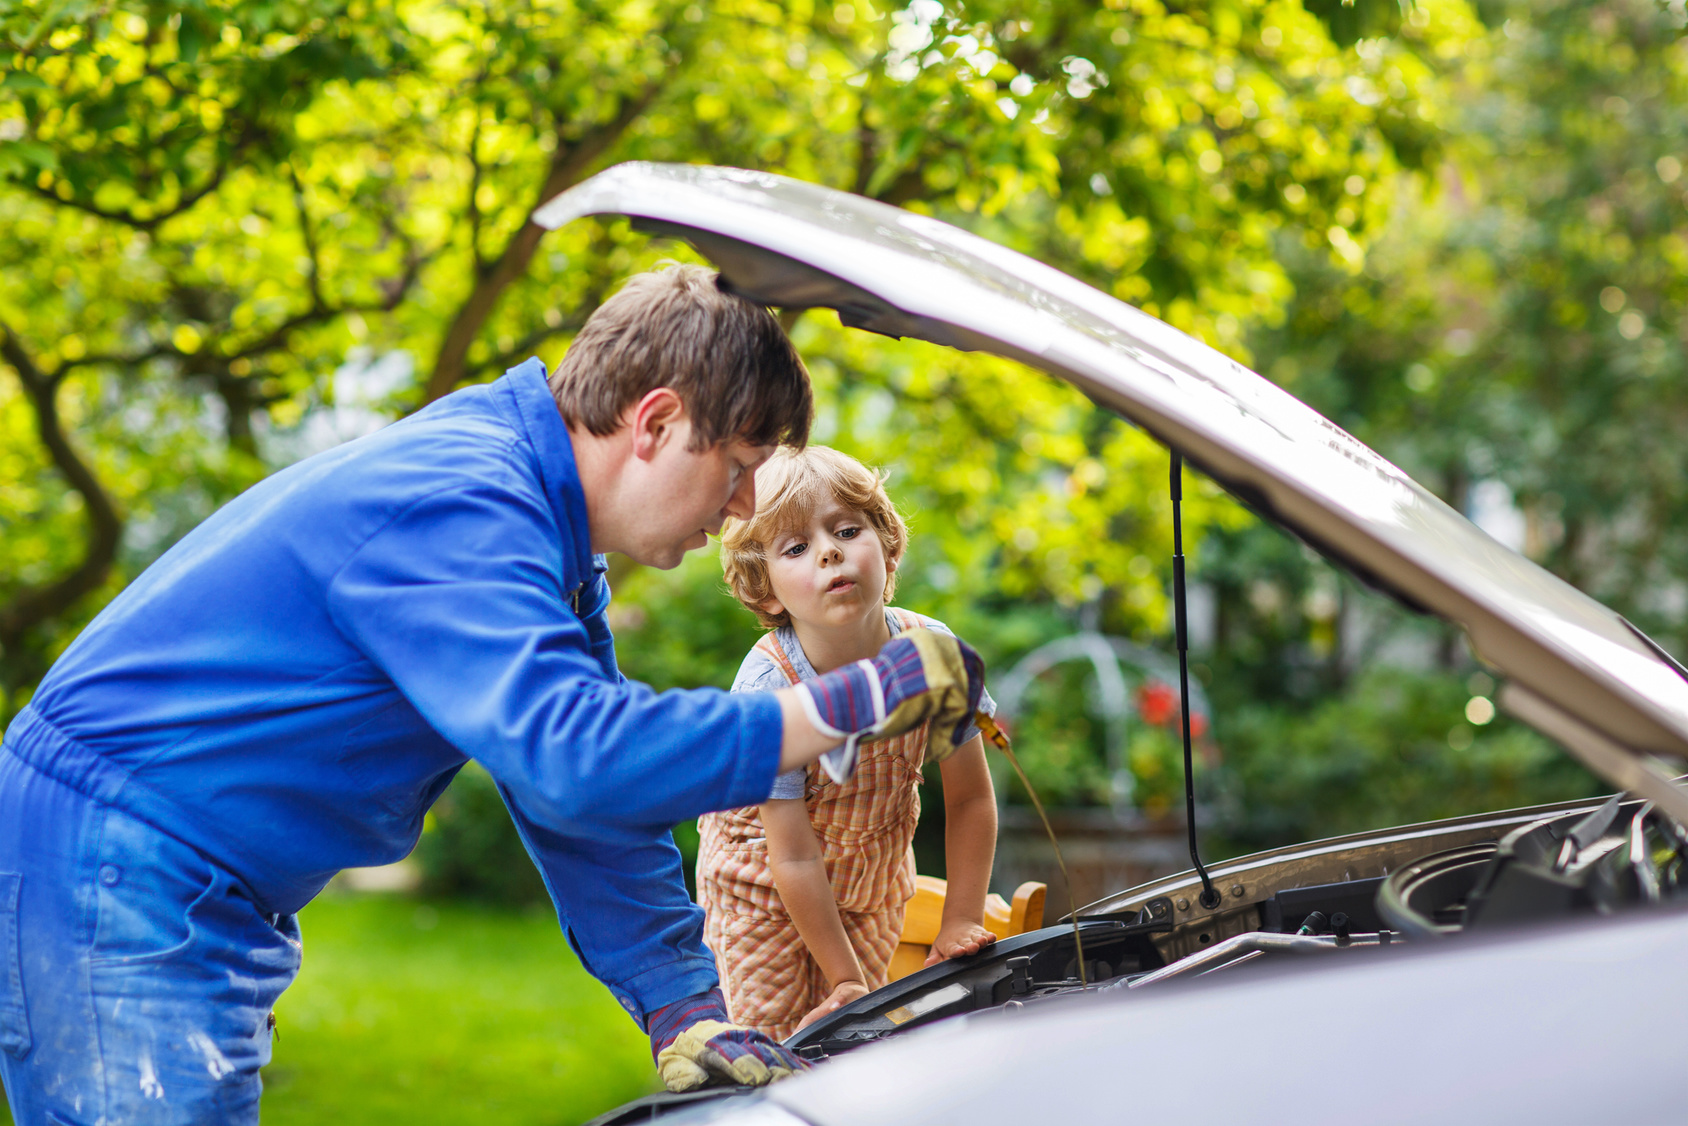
(694, 1043)
(919, 675)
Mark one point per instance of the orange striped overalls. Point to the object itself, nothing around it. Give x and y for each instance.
(866, 833)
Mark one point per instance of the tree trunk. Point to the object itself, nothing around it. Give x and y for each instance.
(568, 167)
(32, 606)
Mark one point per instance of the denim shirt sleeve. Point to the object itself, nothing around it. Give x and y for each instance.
(457, 600)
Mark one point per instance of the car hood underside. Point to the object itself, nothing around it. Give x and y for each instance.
(1575, 669)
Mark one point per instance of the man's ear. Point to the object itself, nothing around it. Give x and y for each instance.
(654, 420)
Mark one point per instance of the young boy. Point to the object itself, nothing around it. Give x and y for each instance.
(804, 895)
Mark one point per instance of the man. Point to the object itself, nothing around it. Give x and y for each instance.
(288, 689)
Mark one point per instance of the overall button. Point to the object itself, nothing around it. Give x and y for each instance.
(110, 875)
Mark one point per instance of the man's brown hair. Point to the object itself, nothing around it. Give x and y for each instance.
(789, 487)
(727, 358)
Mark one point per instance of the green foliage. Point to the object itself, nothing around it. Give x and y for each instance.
(680, 628)
(1395, 748)
(469, 847)
(1460, 238)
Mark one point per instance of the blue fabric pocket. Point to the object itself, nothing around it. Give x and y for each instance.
(14, 1014)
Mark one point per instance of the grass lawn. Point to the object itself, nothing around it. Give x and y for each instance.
(442, 1013)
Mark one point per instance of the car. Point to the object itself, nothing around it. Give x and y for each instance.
(1526, 965)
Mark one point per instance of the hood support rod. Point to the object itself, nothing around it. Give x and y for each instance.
(1210, 895)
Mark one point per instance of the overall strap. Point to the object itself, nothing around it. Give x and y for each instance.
(905, 619)
(771, 647)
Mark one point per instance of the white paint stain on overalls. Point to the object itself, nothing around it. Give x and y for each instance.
(216, 1063)
(151, 1088)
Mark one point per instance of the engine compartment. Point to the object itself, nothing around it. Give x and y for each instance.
(1514, 869)
(1355, 896)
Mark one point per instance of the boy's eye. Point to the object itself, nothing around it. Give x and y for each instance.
(795, 550)
(848, 533)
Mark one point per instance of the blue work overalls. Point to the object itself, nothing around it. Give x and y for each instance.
(283, 695)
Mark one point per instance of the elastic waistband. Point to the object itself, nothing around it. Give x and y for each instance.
(40, 745)
(43, 746)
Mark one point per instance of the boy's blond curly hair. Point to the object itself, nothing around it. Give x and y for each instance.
(789, 487)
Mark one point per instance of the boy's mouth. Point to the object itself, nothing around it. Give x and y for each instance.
(839, 584)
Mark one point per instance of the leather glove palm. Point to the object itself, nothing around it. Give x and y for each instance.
(694, 1043)
(919, 675)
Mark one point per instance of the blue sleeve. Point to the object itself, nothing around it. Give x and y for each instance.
(594, 605)
(456, 600)
(622, 901)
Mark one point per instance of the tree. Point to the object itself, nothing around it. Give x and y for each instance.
(256, 190)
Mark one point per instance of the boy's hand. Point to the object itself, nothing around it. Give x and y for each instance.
(919, 675)
(694, 1044)
(843, 994)
(956, 939)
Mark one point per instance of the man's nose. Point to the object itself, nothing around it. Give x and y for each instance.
(742, 503)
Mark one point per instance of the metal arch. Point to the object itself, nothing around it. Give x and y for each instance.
(1109, 658)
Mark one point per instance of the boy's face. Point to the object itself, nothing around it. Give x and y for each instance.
(685, 495)
(830, 572)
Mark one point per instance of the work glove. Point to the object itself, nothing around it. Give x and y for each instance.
(694, 1043)
(919, 675)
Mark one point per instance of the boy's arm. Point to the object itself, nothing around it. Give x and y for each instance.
(969, 850)
(794, 860)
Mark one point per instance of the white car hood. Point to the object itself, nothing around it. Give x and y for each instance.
(1576, 669)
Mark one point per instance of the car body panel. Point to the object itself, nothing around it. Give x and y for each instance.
(1569, 1024)
(788, 243)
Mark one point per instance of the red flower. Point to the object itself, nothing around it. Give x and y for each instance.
(1156, 702)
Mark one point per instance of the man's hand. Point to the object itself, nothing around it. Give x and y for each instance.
(958, 938)
(919, 675)
(694, 1044)
(843, 994)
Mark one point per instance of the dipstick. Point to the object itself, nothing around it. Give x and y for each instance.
(988, 727)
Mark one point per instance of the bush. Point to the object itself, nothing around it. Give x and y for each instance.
(1394, 749)
(470, 850)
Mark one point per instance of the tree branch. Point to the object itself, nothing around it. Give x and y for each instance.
(308, 233)
(569, 165)
(525, 346)
(149, 224)
(867, 147)
(474, 205)
(32, 606)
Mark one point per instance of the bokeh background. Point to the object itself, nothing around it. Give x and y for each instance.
(235, 234)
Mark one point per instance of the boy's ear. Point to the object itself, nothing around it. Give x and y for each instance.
(652, 420)
(891, 564)
(773, 607)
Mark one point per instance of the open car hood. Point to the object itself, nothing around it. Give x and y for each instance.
(1576, 670)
